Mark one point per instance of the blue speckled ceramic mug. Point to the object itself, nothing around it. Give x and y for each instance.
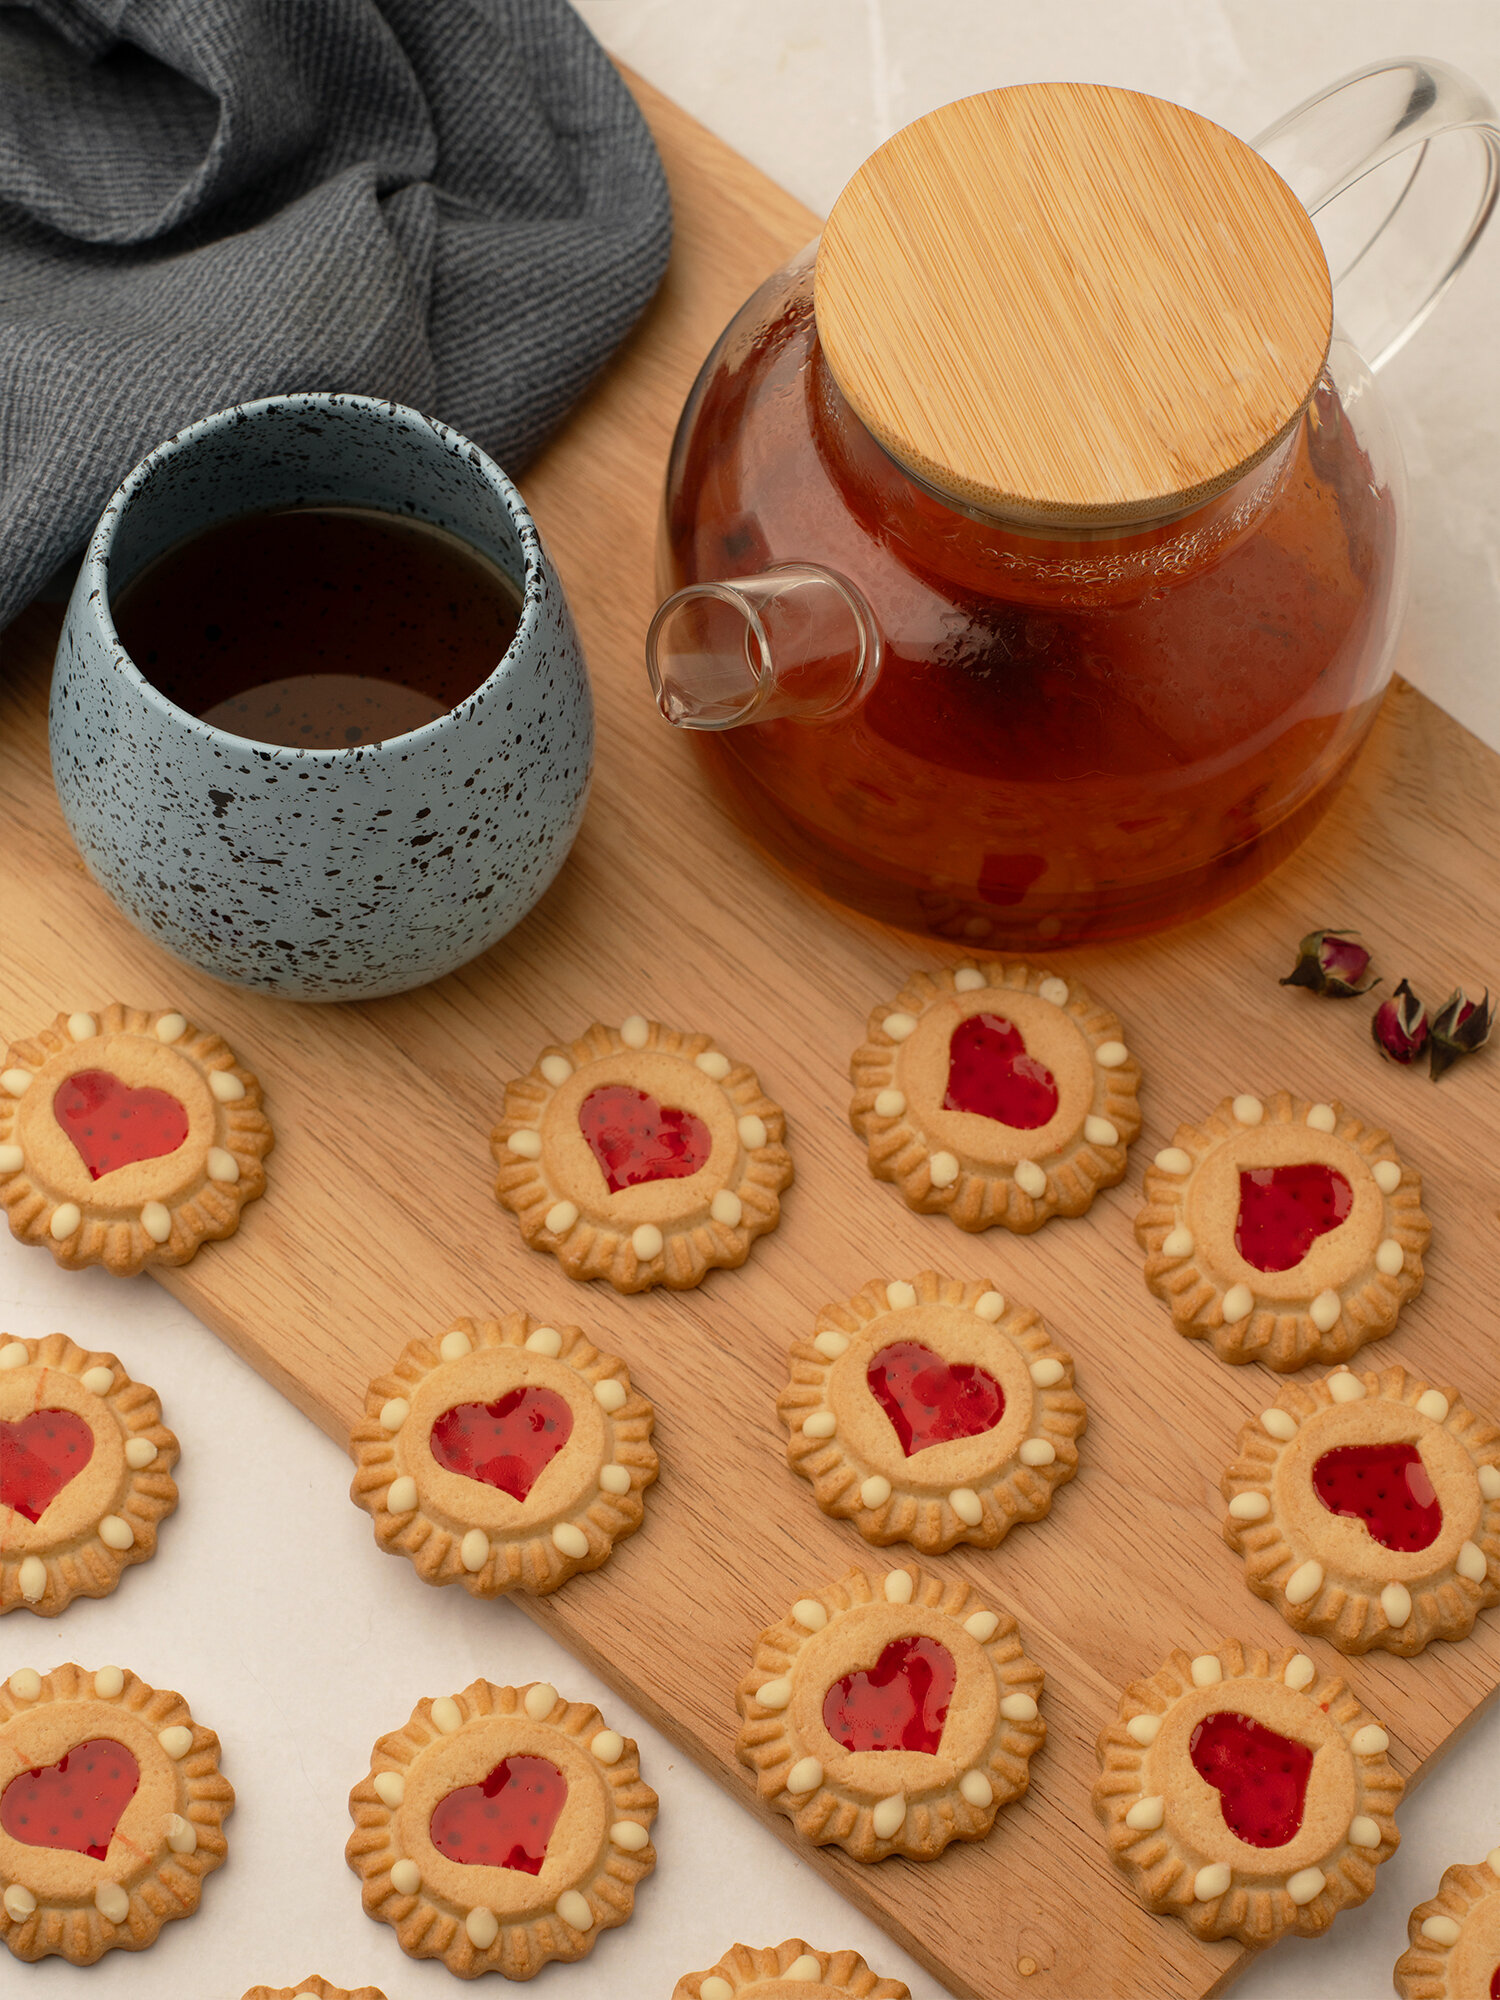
(322, 874)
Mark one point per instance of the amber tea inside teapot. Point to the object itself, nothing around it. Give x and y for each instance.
(1035, 539)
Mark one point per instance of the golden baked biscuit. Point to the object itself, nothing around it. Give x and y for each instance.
(503, 1455)
(112, 1810)
(1454, 1951)
(128, 1138)
(1367, 1508)
(766, 1972)
(502, 1828)
(85, 1473)
(1246, 1794)
(642, 1155)
(995, 1094)
(314, 1988)
(930, 1411)
(1282, 1231)
(890, 1713)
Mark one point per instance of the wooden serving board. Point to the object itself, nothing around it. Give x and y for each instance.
(379, 1221)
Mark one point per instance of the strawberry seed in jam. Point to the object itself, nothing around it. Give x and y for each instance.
(1260, 1776)
(901, 1703)
(1284, 1210)
(636, 1140)
(111, 1125)
(1386, 1486)
(989, 1072)
(40, 1454)
(506, 1444)
(932, 1401)
(506, 1820)
(75, 1803)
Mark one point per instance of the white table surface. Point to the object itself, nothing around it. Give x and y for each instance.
(267, 1604)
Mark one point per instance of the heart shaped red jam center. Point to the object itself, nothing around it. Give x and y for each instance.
(1284, 1210)
(930, 1400)
(507, 1443)
(901, 1703)
(1386, 1486)
(39, 1454)
(990, 1072)
(112, 1125)
(1259, 1775)
(635, 1139)
(75, 1803)
(506, 1820)
(1495, 1984)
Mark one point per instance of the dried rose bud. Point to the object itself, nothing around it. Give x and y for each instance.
(1332, 963)
(1462, 1026)
(1399, 1026)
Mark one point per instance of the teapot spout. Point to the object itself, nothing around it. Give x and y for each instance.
(797, 640)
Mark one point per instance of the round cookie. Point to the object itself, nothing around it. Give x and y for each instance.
(314, 1988)
(501, 1828)
(890, 1714)
(1454, 1953)
(504, 1455)
(1367, 1508)
(995, 1094)
(772, 1972)
(83, 1876)
(1245, 1795)
(642, 1155)
(85, 1473)
(128, 1138)
(931, 1412)
(1283, 1231)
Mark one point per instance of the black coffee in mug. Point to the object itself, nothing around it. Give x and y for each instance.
(318, 627)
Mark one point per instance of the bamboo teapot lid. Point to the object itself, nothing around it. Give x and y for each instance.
(1071, 304)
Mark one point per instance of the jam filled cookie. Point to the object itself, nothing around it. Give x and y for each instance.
(932, 1413)
(314, 1989)
(1245, 1795)
(641, 1154)
(504, 1455)
(127, 1138)
(85, 1473)
(112, 1811)
(1367, 1508)
(1283, 1231)
(751, 1972)
(890, 1714)
(501, 1828)
(995, 1093)
(1454, 1952)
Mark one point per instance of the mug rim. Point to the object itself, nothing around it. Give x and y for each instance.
(94, 570)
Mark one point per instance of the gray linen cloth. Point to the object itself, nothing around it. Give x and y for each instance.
(451, 203)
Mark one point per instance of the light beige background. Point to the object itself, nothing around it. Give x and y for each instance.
(268, 1605)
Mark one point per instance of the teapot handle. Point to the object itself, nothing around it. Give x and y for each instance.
(1397, 229)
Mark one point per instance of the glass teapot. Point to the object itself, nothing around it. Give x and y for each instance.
(1035, 538)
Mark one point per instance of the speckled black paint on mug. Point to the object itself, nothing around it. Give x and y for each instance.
(322, 874)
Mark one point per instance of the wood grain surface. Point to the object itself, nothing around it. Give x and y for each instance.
(379, 1220)
(1069, 344)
